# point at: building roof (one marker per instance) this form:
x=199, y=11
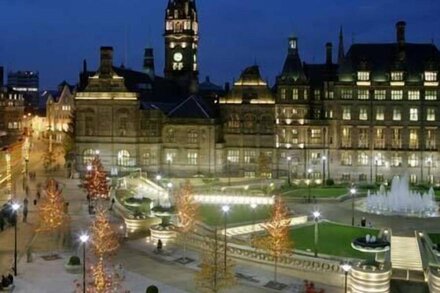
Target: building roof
x=192, y=107
x=380, y=59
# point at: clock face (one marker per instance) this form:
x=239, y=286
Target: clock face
x=178, y=57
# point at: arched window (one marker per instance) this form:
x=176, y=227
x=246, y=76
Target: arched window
x=123, y=158
x=249, y=123
x=88, y=156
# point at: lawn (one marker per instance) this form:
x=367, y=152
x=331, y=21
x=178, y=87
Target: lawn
x=213, y=214
x=333, y=239
x=317, y=191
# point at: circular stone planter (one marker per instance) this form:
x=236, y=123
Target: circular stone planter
x=136, y=202
x=379, y=246
x=73, y=269
x=167, y=233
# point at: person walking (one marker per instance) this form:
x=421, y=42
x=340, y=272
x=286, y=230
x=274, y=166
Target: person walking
x=25, y=209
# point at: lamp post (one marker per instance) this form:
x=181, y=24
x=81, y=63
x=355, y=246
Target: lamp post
x=84, y=238
x=225, y=210
x=309, y=172
x=429, y=161
x=15, y=207
x=353, y=193
x=316, y=215
x=289, y=161
x=169, y=160
x=253, y=206
x=346, y=268
x=324, y=159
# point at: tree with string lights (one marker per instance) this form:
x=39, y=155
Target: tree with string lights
x=51, y=209
x=187, y=212
x=213, y=275
x=96, y=180
x=104, y=239
x=276, y=241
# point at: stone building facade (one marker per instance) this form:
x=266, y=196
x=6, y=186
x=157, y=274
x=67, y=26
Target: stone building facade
x=372, y=114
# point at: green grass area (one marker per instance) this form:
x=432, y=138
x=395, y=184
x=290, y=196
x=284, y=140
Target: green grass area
x=319, y=192
x=435, y=237
x=213, y=214
x=333, y=239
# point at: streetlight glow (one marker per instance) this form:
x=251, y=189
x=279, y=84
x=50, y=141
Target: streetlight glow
x=225, y=208
x=309, y=171
x=15, y=206
x=169, y=185
x=353, y=190
x=316, y=214
x=346, y=267
x=254, y=205
x=84, y=238
x=324, y=158
x=158, y=177
x=89, y=167
x=289, y=158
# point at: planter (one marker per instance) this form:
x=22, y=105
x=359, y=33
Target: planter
x=73, y=269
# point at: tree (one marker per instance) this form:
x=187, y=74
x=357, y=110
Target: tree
x=51, y=208
x=96, y=180
x=276, y=241
x=49, y=159
x=213, y=276
x=69, y=137
x=104, y=239
x=187, y=211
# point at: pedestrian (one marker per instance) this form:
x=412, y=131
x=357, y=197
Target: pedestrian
x=25, y=213
x=25, y=202
x=66, y=207
x=35, y=201
x=111, y=205
x=38, y=194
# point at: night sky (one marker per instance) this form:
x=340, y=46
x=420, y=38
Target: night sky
x=55, y=36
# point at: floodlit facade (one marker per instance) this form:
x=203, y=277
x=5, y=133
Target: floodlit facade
x=370, y=115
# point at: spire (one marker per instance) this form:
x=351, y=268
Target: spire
x=341, y=53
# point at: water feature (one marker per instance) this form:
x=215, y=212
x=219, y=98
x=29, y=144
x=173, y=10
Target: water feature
x=400, y=200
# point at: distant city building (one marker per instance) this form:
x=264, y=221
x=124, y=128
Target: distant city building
x=371, y=115
x=11, y=115
x=27, y=83
x=59, y=111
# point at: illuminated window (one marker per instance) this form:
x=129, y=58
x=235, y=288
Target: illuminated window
x=233, y=156
x=123, y=158
x=363, y=75
x=88, y=156
x=397, y=114
x=294, y=136
x=171, y=135
x=234, y=121
x=413, y=114
x=430, y=76
x=430, y=139
x=380, y=113
x=363, y=95
x=397, y=76
x=346, y=93
x=363, y=113
x=396, y=95
x=295, y=94
x=346, y=113
x=317, y=94
x=430, y=114
x=283, y=94
x=431, y=95
x=331, y=95
x=413, y=160
x=396, y=141
x=413, y=138
x=363, y=137
x=192, y=157
x=346, y=137
x=346, y=159
x=193, y=137
x=413, y=95
x=249, y=157
x=362, y=159
x=380, y=94
x=396, y=160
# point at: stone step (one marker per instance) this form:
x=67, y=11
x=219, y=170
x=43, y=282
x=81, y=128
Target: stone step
x=405, y=253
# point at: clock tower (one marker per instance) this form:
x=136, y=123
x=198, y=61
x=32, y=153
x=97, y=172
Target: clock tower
x=181, y=43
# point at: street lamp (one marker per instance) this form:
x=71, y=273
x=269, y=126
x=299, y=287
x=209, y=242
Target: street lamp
x=225, y=210
x=316, y=215
x=253, y=206
x=324, y=159
x=84, y=238
x=169, y=161
x=346, y=267
x=15, y=207
x=289, y=161
x=353, y=194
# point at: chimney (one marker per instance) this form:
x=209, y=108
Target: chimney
x=400, y=31
x=149, y=62
x=106, y=67
x=329, y=53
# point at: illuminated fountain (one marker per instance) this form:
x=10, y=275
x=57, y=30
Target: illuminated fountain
x=400, y=200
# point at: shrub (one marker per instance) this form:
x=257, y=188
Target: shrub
x=74, y=261
x=330, y=182
x=152, y=289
